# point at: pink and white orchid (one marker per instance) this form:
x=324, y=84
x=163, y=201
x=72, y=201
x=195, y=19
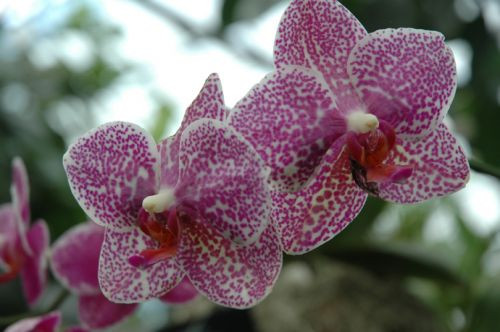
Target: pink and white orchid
x=23, y=248
x=196, y=205
x=75, y=262
x=348, y=113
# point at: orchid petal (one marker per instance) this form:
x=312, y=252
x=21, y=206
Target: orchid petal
x=20, y=201
x=46, y=323
x=224, y=180
x=228, y=274
x=182, y=293
x=209, y=104
x=34, y=270
x=97, y=312
x=75, y=258
x=8, y=226
x=406, y=77
x=330, y=201
x=290, y=120
x=319, y=35
x=123, y=283
x=439, y=164
x=110, y=171
x=20, y=191
x=11, y=253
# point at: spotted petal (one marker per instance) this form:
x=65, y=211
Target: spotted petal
x=110, y=171
x=323, y=208
x=224, y=180
x=319, y=34
x=209, y=104
x=439, y=164
x=34, y=270
x=46, y=323
x=123, y=283
x=75, y=258
x=290, y=120
x=20, y=191
x=97, y=312
x=228, y=274
x=406, y=77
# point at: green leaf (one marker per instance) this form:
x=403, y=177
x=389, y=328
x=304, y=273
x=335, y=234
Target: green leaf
x=484, y=314
x=398, y=261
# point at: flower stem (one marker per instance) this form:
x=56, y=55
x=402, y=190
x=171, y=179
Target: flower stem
x=482, y=167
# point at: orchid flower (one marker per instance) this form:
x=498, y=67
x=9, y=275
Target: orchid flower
x=196, y=205
x=23, y=249
x=348, y=113
x=46, y=323
x=75, y=261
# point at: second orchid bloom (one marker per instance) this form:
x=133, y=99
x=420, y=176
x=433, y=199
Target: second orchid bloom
x=348, y=113
x=196, y=204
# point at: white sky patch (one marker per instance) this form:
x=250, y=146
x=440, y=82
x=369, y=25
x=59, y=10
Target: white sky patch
x=463, y=58
x=75, y=50
x=260, y=33
x=467, y=10
x=479, y=202
x=440, y=226
x=204, y=12
x=178, y=66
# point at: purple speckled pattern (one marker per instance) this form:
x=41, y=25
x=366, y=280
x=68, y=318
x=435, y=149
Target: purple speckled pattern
x=228, y=274
x=207, y=172
x=34, y=270
x=75, y=258
x=75, y=261
x=209, y=104
x=182, y=293
x=110, y=170
x=290, y=119
x=403, y=79
x=324, y=207
x=123, y=283
x=439, y=168
x=413, y=68
x=47, y=323
x=97, y=312
x=224, y=180
x=20, y=191
x=319, y=34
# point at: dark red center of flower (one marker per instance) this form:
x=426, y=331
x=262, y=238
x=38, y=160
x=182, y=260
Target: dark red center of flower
x=13, y=259
x=163, y=229
x=368, y=153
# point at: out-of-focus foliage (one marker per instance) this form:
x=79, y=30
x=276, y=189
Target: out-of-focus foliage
x=46, y=99
x=390, y=257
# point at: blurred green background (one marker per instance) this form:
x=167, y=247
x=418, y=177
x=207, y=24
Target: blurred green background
x=427, y=267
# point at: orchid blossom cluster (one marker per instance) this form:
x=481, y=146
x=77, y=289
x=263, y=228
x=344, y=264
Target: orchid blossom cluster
x=209, y=210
